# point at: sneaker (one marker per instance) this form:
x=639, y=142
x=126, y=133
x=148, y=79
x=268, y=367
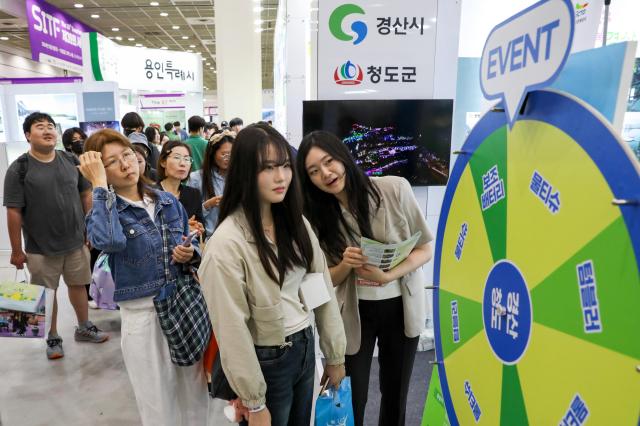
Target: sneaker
x=93, y=304
x=54, y=348
x=90, y=334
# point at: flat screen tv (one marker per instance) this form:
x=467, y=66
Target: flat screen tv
x=409, y=137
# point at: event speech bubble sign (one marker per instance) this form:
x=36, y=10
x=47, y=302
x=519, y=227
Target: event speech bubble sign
x=526, y=52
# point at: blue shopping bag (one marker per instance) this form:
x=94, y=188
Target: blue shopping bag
x=333, y=407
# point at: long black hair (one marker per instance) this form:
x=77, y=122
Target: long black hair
x=209, y=162
x=248, y=155
x=323, y=209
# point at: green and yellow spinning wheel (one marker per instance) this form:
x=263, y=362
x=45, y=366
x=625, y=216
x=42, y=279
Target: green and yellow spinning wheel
x=537, y=268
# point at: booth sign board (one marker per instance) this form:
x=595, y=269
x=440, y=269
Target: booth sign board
x=368, y=49
x=141, y=68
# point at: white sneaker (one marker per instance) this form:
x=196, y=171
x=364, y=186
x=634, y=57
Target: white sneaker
x=93, y=304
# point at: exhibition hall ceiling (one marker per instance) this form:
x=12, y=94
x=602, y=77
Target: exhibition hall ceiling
x=183, y=25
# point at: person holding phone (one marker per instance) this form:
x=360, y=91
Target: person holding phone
x=343, y=205
x=251, y=274
x=126, y=221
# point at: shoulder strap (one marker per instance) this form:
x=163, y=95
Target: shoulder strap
x=23, y=166
x=69, y=157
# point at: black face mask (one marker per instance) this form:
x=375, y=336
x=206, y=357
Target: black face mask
x=77, y=147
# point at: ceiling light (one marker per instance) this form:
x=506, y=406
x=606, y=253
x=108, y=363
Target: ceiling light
x=185, y=37
x=211, y=68
x=78, y=5
x=154, y=3
x=138, y=45
x=192, y=45
x=208, y=64
x=115, y=29
x=110, y=38
x=215, y=71
x=189, y=51
x=258, y=22
x=258, y=30
x=4, y=38
x=204, y=59
x=164, y=14
x=131, y=39
x=95, y=16
x=164, y=48
x=200, y=53
x=119, y=38
x=176, y=27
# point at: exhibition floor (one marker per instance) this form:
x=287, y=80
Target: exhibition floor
x=90, y=383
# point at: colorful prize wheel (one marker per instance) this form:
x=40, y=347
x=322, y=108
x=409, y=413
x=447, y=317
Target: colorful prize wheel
x=538, y=306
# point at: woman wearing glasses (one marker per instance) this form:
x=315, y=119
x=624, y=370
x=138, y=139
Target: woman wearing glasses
x=210, y=180
x=173, y=170
x=126, y=221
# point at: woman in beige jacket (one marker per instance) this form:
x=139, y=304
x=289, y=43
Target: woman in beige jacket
x=252, y=271
x=343, y=205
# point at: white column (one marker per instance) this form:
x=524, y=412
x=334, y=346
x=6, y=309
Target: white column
x=238, y=61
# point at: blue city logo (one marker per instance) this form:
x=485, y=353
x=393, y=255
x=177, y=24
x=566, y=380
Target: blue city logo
x=358, y=27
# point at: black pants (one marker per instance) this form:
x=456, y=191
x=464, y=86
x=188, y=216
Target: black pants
x=382, y=320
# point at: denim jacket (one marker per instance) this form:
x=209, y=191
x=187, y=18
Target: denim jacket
x=134, y=242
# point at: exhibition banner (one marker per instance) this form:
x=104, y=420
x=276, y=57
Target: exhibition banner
x=526, y=52
x=140, y=68
x=55, y=36
x=376, y=50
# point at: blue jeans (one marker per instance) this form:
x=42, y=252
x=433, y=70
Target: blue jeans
x=289, y=373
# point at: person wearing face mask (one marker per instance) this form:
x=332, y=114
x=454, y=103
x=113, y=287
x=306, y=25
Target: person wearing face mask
x=73, y=140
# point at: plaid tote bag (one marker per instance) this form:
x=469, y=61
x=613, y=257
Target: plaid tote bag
x=182, y=312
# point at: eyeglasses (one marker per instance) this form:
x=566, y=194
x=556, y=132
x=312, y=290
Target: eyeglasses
x=181, y=158
x=127, y=156
x=225, y=156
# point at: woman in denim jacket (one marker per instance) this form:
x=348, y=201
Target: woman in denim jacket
x=125, y=221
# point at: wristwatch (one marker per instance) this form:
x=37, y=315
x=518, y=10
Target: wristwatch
x=257, y=409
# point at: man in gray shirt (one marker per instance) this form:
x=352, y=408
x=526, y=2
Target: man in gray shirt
x=46, y=197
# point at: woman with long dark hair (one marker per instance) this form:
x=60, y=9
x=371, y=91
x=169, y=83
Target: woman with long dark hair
x=210, y=179
x=252, y=272
x=343, y=205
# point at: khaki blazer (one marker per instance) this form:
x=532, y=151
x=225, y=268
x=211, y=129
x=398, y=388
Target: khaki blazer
x=246, y=307
x=397, y=219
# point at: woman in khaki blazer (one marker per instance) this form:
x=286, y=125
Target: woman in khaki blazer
x=343, y=205
x=251, y=273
